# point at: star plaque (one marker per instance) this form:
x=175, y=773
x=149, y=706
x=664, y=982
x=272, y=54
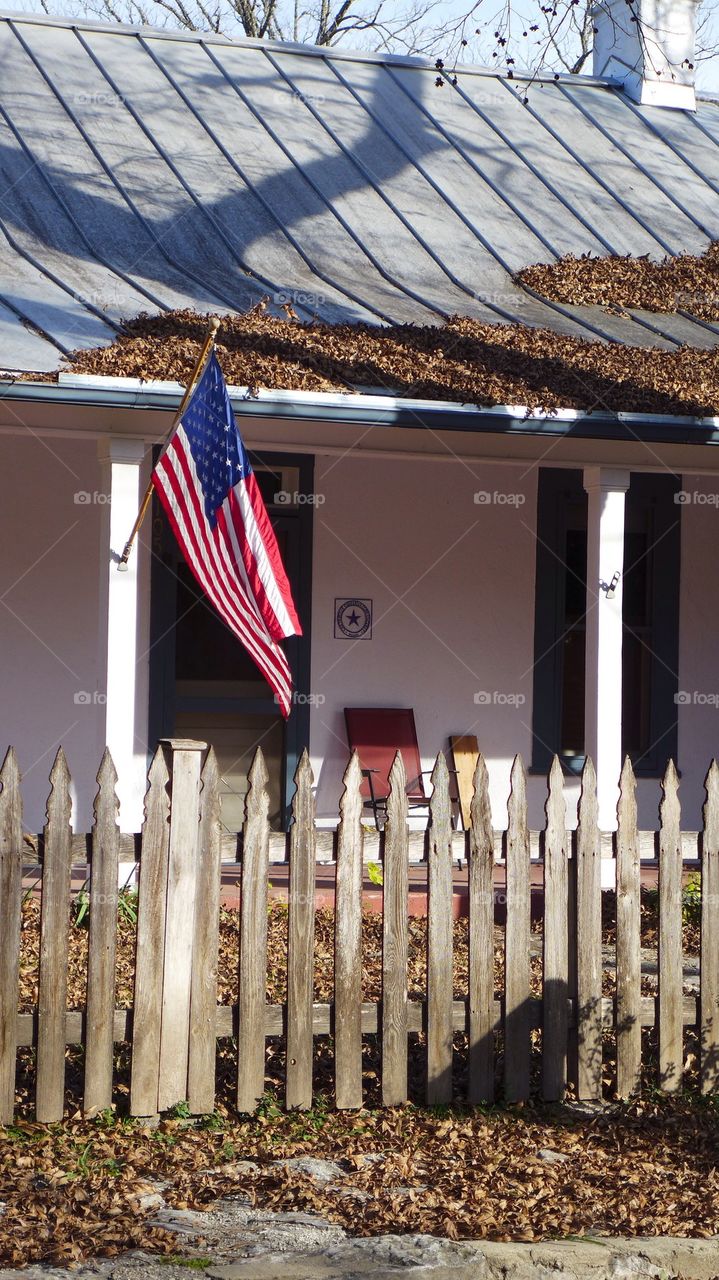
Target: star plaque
x=353, y=619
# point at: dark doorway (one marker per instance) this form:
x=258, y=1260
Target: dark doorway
x=203, y=684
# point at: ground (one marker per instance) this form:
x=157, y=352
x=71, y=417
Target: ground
x=93, y=1187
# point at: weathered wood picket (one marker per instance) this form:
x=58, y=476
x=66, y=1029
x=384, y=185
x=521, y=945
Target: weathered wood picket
x=175, y=1021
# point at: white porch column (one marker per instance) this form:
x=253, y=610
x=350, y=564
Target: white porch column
x=119, y=605
x=606, y=489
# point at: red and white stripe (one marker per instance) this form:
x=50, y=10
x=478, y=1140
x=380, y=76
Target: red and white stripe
x=257, y=556
x=212, y=557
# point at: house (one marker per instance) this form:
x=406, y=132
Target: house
x=545, y=579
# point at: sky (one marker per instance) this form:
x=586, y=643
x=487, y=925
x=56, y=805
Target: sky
x=482, y=20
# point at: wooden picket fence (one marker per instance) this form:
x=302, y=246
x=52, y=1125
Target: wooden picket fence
x=175, y=1021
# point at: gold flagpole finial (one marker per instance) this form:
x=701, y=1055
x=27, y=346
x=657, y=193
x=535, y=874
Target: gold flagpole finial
x=202, y=359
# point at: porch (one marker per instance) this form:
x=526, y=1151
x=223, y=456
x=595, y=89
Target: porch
x=474, y=539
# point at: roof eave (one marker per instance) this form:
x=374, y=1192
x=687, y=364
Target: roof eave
x=372, y=410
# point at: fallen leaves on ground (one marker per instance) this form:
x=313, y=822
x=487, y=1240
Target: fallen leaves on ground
x=685, y=282
x=74, y=1190
x=276, y=992
x=462, y=361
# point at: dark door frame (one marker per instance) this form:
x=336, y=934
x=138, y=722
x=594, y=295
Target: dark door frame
x=163, y=702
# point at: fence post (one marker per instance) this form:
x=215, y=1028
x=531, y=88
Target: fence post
x=182, y=871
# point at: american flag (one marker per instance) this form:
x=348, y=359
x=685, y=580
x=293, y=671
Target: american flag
x=210, y=494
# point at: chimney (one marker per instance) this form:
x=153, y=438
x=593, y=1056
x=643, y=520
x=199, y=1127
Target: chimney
x=648, y=45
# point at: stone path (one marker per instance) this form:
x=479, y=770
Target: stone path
x=235, y=1241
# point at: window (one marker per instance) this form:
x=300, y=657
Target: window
x=650, y=613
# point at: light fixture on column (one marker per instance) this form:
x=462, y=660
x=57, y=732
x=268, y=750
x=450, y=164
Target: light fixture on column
x=609, y=588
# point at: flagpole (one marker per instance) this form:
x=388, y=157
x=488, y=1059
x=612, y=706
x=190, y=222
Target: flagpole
x=207, y=346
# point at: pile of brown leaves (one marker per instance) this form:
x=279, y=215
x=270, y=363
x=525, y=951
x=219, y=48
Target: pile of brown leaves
x=646, y=1169
x=687, y=282
x=276, y=961
x=227, y=977
x=462, y=361
x=74, y=1190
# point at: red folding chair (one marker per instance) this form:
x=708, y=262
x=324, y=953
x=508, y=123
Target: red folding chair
x=377, y=734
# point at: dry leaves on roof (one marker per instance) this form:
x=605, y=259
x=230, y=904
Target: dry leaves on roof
x=685, y=282
x=460, y=361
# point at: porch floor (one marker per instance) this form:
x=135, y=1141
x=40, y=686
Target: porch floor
x=371, y=893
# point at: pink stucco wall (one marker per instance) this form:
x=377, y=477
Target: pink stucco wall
x=49, y=612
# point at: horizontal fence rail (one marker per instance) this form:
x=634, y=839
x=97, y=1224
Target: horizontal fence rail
x=175, y=1020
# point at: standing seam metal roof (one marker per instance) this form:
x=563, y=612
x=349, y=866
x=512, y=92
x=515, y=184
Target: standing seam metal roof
x=149, y=170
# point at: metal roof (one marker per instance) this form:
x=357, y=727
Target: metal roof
x=145, y=170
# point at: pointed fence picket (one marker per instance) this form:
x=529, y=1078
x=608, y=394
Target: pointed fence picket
x=54, y=923
x=102, y=941
x=10, y=906
x=629, y=960
x=709, y=962
x=395, y=940
x=517, y=1019
x=481, y=941
x=671, y=1022
x=205, y=945
x=176, y=1021
x=587, y=877
x=555, y=1007
x=147, y=1009
x=300, y=943
x=253, y=940
x=348, y=943
x=440, y=926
